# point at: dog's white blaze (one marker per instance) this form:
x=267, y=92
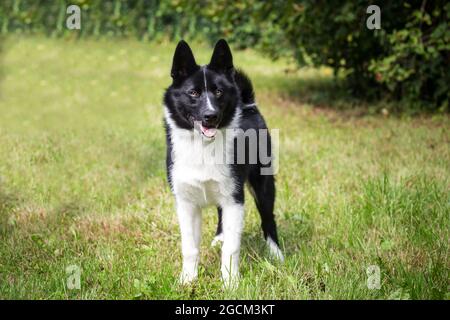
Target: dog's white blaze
x=274, y=250
x=208, y=102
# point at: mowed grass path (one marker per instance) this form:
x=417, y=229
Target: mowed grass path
x=82, y=182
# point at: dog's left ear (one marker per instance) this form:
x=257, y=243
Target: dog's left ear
x=221, y=59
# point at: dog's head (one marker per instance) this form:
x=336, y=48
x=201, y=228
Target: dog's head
x=202, y=97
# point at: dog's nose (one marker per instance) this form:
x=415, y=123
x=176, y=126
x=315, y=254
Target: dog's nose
x=210, y=117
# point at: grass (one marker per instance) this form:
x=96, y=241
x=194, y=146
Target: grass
x=82, y=182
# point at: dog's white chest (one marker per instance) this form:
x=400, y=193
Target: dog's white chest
x=198, y=175
x=202, y=192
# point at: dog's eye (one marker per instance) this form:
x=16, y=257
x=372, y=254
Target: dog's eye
x=194, y=93
x=218, y=92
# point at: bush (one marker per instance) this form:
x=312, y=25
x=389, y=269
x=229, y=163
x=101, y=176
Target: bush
x=144, y=19
x=408, y=58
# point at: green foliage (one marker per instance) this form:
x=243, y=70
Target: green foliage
x=416, y=65
x=145, y=19
x=407, y=58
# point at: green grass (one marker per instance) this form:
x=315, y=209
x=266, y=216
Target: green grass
x=82, y=182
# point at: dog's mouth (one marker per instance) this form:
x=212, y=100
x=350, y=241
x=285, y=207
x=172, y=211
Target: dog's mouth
x=207, y=130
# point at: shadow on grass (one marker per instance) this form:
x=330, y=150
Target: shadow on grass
x=326, y=93
x=322, y=92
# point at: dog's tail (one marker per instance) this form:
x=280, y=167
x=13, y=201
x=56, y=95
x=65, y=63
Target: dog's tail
x=245, y=86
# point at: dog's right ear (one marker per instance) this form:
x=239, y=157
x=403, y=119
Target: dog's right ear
x=183, y=64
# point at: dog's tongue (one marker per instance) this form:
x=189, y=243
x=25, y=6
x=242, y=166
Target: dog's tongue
x=209, y=132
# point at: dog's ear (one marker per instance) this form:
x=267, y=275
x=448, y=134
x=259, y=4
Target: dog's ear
x=183, y=64
x=221, y=59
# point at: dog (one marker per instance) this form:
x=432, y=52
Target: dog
x=203, y=104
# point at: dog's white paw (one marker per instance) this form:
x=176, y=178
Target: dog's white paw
x=187, y=277
x=217, y=240
x=274, y=250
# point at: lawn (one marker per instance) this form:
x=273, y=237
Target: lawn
x=82, y=183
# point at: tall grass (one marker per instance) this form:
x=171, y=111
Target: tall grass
x=82, y=182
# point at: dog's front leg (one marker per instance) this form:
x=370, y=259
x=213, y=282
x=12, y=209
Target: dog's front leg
x=233, y=223
x=189, y=217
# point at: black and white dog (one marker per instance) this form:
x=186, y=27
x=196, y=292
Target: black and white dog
x=210, y=120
